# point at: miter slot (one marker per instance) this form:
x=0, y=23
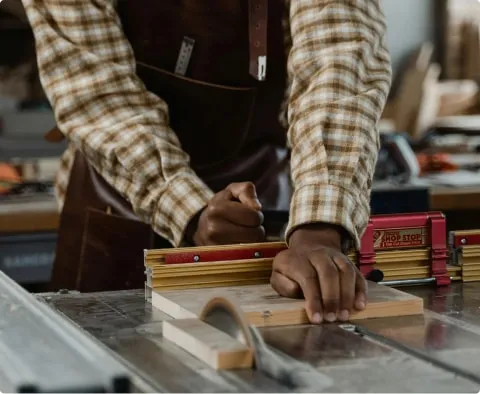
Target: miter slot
x=298, y=376
x=419, y=354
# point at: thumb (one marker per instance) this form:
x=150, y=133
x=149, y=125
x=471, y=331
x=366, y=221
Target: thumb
x=245, y=192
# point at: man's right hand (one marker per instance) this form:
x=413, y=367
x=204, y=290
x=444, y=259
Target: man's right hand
x=232, y=216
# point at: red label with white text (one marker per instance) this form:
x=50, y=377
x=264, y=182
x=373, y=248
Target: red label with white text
x=400, y=238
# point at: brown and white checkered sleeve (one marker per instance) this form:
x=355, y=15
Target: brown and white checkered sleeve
x=87, y=69
x=340, y=71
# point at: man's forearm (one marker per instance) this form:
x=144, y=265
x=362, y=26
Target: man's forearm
x=87, y=69
x=341, y=78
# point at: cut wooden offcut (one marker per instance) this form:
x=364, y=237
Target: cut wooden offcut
x=208, y=344
x=264, y=307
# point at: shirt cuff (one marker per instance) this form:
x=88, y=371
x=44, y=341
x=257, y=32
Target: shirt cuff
x=184, y=197
x=326, y=203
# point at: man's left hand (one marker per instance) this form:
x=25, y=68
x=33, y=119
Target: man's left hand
x=314, y=267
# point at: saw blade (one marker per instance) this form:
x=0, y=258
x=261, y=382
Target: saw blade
x=223, y=314
x=226, y=315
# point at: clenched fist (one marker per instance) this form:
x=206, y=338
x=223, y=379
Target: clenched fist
x=232, y=216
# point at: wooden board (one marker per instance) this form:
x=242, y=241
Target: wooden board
x=212, y=346
x=264, y=307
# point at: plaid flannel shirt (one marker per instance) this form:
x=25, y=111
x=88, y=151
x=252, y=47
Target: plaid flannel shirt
x=339, y=75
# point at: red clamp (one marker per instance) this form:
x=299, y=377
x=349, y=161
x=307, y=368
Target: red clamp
x=406, y=231
x=462, y=238
x=439, y=251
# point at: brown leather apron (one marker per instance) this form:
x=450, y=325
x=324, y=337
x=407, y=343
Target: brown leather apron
x=225, y=115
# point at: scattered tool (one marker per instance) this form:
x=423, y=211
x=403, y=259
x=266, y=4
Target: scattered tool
x=396, y=159
x=9, y=177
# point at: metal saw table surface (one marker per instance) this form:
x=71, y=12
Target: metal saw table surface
x=437, y=352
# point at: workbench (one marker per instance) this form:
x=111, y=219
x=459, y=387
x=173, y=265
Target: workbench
x=29, y=215
x=461, y=205
x=437, y=352
x=455, y=198
x=28, y=235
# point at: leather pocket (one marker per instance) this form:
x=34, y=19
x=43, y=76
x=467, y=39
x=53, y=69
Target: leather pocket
x=211, y=120
x=112, y=252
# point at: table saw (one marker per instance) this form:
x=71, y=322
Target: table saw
x=121, y=341
x=112, y=341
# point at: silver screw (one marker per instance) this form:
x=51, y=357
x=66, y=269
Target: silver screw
x=463, y=241
x=196, y=258
x=257, y=254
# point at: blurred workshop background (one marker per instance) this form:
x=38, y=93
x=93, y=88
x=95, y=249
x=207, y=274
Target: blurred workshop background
x=429, y=160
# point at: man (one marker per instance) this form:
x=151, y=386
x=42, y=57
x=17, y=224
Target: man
x=181, y=134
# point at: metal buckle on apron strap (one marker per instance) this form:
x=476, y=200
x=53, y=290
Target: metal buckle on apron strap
x=257, y=20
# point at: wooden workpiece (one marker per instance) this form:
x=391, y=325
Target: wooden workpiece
x=264, y=307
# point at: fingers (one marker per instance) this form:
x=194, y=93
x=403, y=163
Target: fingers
x=245, y=192
x=361, y=289
x=348, y=278
x=329, y=278
x=311, y=291
x=221, y=232
x=232, y=216
x=331, y=285
x=233, y=212
x=303, y=273
x=285, y=286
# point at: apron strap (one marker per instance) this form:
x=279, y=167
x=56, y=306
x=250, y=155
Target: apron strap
x=257, y=29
